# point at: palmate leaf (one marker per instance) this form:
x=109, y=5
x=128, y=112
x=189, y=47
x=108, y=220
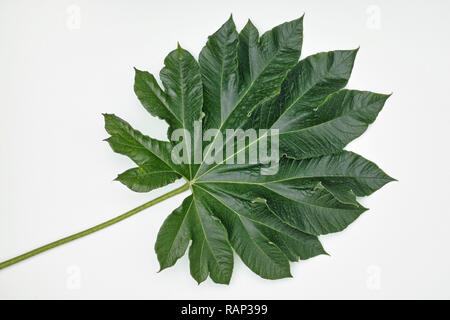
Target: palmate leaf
x=244, y=80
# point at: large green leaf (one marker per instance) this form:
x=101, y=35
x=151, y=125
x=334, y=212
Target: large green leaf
x=247, y=81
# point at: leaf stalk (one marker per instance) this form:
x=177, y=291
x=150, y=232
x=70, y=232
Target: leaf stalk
x=96, y=228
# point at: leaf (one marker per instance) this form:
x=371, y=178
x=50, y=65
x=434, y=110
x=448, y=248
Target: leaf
x=344, y=116
x=219, y=69
x=347, y=169
x=144, y=151
x=210, y=252
x=263, y=64
x=247, y=81
x=154, y=99
x=147, y=177
x=182, y=82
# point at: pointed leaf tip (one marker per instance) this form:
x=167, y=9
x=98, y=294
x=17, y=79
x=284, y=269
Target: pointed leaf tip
x=250, y=24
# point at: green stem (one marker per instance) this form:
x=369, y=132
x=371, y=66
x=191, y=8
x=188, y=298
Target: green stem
x=101, y=226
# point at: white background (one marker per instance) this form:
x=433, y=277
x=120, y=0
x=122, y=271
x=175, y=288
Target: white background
x=60, y=71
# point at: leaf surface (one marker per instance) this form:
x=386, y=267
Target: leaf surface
x=246, y=81
x=210, y=252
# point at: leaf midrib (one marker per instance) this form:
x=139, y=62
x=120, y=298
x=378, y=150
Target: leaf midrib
x=179, y=229
x=183, y=106
x=206, y=238
x=289, y=179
